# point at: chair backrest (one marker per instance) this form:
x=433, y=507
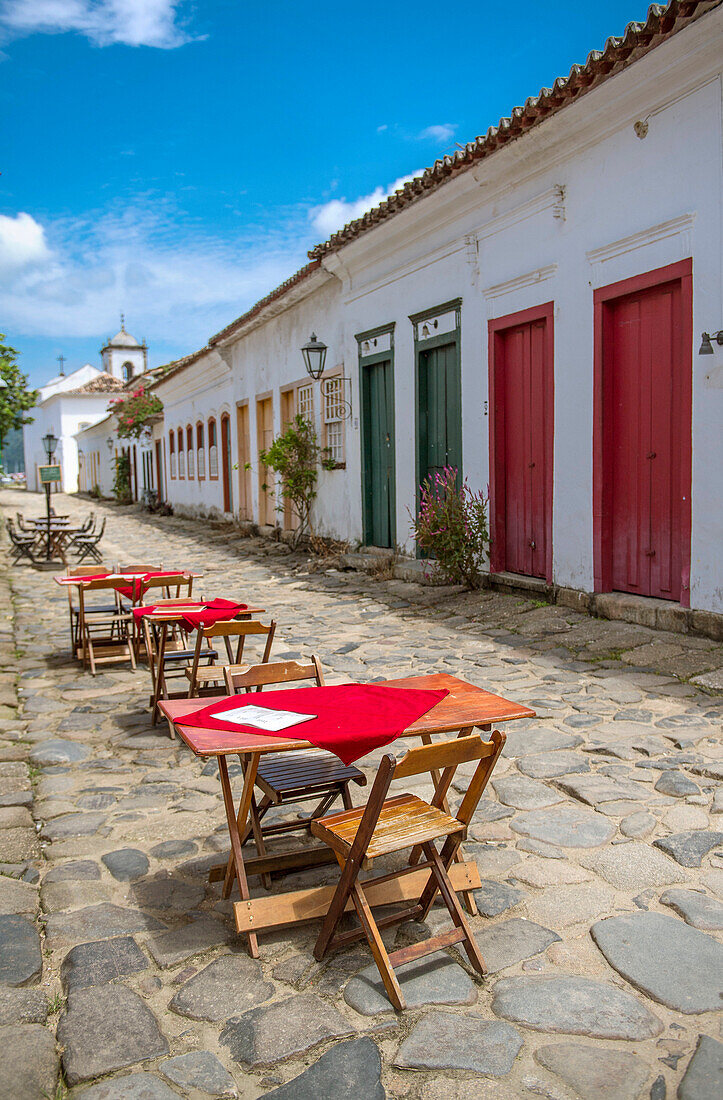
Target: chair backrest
x=87, y=571
x=97, y=535
x=173, y=580
x=228, y=629
x=446, y=755
x=246, y=677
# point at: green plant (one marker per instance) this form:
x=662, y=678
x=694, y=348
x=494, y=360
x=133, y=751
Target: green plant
x=15, y=397
x=122, y=479
x=451, y=527
x=95, y=492
x=296, y=455
x=133, y=411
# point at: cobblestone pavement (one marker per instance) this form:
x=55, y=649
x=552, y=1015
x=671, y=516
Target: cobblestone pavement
x=598, y=845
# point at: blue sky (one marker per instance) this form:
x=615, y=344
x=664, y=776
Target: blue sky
x=175, y=160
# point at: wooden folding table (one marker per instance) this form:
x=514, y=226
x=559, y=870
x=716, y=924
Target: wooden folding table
x=465, y=708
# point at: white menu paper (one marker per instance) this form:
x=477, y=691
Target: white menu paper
x=264, y=718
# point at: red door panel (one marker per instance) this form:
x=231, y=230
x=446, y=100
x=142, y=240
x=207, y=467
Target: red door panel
x=521, y=442
x=643, y=362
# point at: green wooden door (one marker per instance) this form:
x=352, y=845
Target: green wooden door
x=439, y=411
x=378, y=427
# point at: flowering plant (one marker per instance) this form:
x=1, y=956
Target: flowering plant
x=451, y=527
x=133, y=410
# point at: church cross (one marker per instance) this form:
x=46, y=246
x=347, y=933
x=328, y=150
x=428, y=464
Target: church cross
x=62, y=360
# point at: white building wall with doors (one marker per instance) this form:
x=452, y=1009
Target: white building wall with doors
x=620, y=190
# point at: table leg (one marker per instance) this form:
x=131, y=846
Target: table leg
x=159, y=686
x=237, y=826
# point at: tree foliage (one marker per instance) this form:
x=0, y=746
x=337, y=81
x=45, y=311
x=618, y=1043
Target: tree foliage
x=296, y=455
x=15, y=397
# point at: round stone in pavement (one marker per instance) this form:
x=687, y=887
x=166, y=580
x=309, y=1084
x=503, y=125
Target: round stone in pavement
x=524, y=793
x=593, y=1073
x=164, y=891
x=101, y=961
x=633, y=866
x=275, y=1032
x=677, y=784
x=349, y=1071
x=170, y=848
x=695, y=908
x=668, y=960
x=546, y=765
x=525, y=742
x=577, y=1006
x=79, y=870
x=226, y=987
x=70, y=825
x=494, y=897
x=28, y=1062
x=442, y=1040
x=97, y=921
x=105, y=1028
x=511, y=941
x=20, y=961
x=23, y=1006
x=703, y=1079
x=569, y=826
x=126, y=864
x=134, y=1086
x=200, y=1070
x=57, y=750
x=435, y=980
x=690, y=847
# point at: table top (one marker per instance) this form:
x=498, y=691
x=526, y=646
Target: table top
x=89, y=578
x=466, y=705
x=174, y=614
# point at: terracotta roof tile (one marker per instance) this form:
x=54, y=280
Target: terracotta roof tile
x=103, y=383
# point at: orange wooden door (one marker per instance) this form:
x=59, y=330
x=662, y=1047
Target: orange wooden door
x=244, y=462
x=265, y=437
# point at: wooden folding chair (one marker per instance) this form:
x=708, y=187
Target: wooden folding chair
x=90, y=609
x=105, y=638
x=387, y=825
x=207, y=677
x=302, y=776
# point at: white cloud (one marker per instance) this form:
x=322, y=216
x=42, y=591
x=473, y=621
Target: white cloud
x=22, y=243
x=441, y=133
x=330, y=216
x=104, y=22
x=71, y=277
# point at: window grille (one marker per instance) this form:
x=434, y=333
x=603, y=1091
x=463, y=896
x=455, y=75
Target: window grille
x=305, y=402
x=333, y=394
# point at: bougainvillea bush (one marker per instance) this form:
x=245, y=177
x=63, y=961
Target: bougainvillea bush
x=451, y=528
x=133, y=410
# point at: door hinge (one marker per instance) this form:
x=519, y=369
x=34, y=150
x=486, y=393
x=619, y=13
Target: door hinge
x=650, y=553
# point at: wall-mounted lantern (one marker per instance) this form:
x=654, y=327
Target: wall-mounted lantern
x=109, y=442
x=314, y=353
x=706, y=347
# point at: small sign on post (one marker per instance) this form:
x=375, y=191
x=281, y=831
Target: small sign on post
x=49, y=474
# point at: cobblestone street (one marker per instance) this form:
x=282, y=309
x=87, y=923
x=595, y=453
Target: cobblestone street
x=598, y=844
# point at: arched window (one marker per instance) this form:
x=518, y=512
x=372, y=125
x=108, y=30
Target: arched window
x=212, y=450
x=127, y=371
x=172, y=451
x=200, y=453
x=190, y=452
x=181, y=455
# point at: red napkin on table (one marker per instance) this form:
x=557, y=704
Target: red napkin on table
x=351, y=719
x=139, y=586
x=214, y=611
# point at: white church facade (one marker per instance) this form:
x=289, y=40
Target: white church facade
x=69, y=403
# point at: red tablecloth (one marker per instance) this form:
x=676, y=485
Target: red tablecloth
x=214, y=611
x=351, y=719
x=133, y=589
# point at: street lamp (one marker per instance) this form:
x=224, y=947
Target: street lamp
x=50, y=443
x=314, y=353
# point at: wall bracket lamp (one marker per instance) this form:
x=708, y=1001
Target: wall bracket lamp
x=706, y=347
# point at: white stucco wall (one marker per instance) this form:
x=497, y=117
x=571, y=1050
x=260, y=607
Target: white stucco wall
x=63, y=414
x=578, y=203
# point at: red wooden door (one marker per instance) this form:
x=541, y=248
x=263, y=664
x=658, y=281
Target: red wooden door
x=645, y=379
x=522, y=443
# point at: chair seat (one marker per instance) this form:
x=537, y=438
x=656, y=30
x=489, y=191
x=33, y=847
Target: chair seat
x=404, y=822
x=187, y=655
x=287, y=774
